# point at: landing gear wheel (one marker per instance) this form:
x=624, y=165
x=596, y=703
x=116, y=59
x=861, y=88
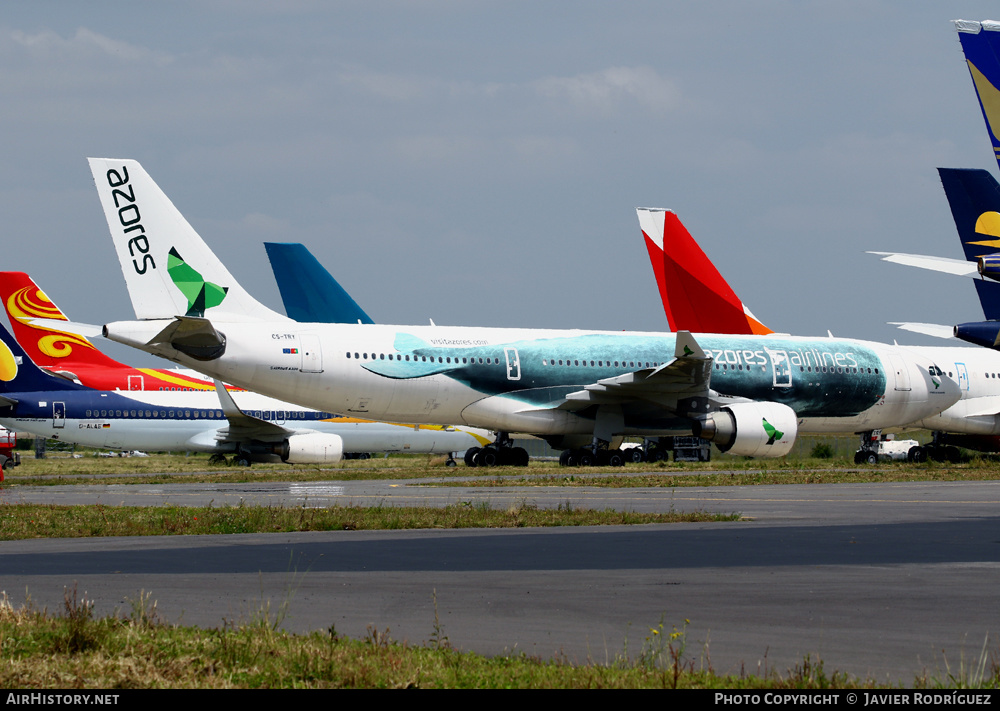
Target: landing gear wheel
x=486, y=457
x=218, y=459
x=916, y=455
x=587, y=459
x=242, y=462
x=566, y=458
x=634, y=455
x=451, y=462
x=519, y=457
x=616, y=460
x=470, y=456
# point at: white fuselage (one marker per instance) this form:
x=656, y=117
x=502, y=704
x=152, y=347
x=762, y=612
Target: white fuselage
x=360, y=370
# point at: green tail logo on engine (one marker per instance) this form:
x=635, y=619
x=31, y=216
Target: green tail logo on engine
x=687, y=351
x=200, y=294
x=773, y=433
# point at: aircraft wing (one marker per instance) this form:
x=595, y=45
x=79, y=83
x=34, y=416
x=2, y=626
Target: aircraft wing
x=686, y=376
x=928, y=329
x=959, y=267
x=243, y=426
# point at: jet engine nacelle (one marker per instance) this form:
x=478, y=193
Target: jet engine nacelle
x=982, y=333
x=989, y=266
x=312, y=448
x=753, y=429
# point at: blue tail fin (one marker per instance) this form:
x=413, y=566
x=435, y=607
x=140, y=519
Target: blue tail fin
x=308, y=291
x=19, y=374
x=974, y=198
x=981, y=44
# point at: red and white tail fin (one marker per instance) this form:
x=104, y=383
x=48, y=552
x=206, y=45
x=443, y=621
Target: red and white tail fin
x=50, y=348
x=695, y=296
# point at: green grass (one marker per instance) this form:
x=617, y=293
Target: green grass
x=731, y=471
x=138, y=649
x=24, y=521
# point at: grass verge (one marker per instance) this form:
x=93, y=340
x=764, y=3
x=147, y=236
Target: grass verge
x=24, y=521
x=140, y=650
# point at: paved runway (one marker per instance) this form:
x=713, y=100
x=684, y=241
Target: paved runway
x=889, y=579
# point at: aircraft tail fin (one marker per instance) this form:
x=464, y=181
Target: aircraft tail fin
x=168, y=268
x=46, y=345
x=981, y=45
x=308, y=291
x=19, y=374
x=695, y=295
x=974, y=198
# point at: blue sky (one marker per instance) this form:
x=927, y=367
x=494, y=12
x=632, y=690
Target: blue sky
x=479, y=163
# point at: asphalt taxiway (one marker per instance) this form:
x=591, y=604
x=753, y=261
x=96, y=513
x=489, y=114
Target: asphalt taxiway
x=892, y=580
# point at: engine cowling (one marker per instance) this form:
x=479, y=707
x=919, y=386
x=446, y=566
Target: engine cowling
x=751, y=429
x=989, y=266
x=312, y=448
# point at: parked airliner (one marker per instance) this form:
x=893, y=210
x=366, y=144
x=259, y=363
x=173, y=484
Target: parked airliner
x=578, y=389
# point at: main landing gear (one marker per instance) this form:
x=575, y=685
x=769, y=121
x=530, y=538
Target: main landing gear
x=502, y=453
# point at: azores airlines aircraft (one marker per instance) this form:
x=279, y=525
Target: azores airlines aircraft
x=165, y=421
x=972, y=422
x=577, y=389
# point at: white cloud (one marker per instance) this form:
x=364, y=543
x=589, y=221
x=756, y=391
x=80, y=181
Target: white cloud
x=49, y=45
x=606, y=89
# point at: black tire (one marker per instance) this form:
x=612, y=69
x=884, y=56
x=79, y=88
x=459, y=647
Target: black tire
x=872, y=458
x=916, y=455
x=451, y=463
x=859, y=457
x=520, y=457
x=470, y=456
x=486, y=457
x=617, y=459
x=634, y=455
x=587, y=458
x=565, y=458
x=242, y=462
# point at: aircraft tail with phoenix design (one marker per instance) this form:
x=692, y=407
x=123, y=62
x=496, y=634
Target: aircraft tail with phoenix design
x=695, y=296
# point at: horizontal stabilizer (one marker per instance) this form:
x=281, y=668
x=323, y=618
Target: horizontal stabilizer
x=87, y=330
x=958, y=267
x=928, y=329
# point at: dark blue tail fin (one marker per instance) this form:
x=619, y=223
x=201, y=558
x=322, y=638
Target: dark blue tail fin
x=974, y=198
x=19, y=374
x=308, y=291
x=981, y=44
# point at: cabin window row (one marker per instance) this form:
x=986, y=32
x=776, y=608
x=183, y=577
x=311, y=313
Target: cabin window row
x=423, y=359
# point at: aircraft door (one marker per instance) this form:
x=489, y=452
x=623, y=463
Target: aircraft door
x=311, y=353
x=781, y=369
x=58, y=414
x=901, y=371
x=963, y=376
x=513, y=364
x=135, y=382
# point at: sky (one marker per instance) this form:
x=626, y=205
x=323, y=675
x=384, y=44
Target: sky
x=478, y=163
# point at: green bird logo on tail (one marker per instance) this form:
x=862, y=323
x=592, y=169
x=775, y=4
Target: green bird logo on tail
x=200, y=294
x=773, y=434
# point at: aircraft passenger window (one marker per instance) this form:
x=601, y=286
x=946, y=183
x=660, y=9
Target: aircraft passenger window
x=170, y=413
x=365, y=356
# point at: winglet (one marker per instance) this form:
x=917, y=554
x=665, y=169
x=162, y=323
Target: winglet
x=687, y=347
